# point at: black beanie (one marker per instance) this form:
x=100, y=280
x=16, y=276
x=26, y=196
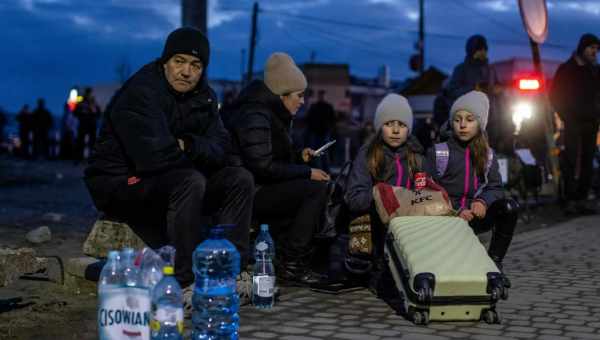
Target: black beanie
x=475, y=43
x=585, y=41
x=187, y=40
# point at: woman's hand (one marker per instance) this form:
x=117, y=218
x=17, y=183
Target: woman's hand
x=307, y=155
x=479, y=209
x=466, y=215
x=319, y=175
x=181, y=144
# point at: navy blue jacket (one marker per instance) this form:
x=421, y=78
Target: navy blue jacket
x=359, y=193
x=487, y=189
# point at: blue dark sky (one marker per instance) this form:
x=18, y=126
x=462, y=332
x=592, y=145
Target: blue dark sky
x=50, y=45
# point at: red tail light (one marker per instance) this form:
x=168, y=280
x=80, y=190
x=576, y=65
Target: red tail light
x=529, y=84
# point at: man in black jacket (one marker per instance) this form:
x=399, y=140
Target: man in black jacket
x=159, y=162
x=575, y=95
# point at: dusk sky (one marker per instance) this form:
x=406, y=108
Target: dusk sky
x=50, y=45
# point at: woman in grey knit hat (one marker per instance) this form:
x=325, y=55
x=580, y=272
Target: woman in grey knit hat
x=291, y=195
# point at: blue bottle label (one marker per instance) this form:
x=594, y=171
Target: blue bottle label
x=124, y=313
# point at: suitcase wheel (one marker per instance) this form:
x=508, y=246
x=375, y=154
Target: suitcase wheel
x=504, y=295
x=490, y=316
x=420, y=317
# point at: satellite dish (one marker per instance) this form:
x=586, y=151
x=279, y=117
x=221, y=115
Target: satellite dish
x=535, y=19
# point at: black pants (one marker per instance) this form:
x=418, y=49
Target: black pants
x=298, y=203
x=580, y=146
x=168, y=209
x=85, y=129
x=501, y=218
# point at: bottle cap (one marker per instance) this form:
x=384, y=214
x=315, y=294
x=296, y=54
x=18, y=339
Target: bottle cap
x=168, y=270
x=264, y=227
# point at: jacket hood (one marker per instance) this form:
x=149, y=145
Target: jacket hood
x=258, y=94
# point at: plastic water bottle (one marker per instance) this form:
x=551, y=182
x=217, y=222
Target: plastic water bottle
x=131, y=273
x=167, y=308
x=124, y=305
x=263, y=276
x=151, y=268
x=215, y=300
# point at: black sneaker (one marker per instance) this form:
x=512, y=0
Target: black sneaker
x=505, y=281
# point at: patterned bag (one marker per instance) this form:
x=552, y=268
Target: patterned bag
x=360, y=242
x=392, y=201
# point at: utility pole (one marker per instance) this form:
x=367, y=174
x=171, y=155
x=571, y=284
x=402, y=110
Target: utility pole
x=548, y=116
x=250, y=73
x=194, y=14
x=242, y=65
x=421, y=36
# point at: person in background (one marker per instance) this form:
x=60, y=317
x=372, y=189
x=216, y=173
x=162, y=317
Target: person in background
x=25, y=120
x=320, y=122
x=42, y=123
x=87, y=112
x=475, y=73
x=575, y=95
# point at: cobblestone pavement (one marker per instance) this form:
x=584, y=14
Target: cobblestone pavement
x=556, y=295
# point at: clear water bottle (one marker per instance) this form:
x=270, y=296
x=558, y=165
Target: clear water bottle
x=151, y=268
x=123, y=304
x=215, y=300
x=167, y=308
x=263, y=276
x=131, y=273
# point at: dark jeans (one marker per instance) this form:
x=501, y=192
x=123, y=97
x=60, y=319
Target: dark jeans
x=85, y=129
x=168, y=209
x=300, y=200
x=580, y=146
x=501, y=218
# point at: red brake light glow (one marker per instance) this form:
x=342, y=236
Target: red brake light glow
x=529, y=84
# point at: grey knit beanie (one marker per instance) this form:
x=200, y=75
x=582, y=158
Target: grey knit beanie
x=475, y=102
x=282, y=76
x=393, y=107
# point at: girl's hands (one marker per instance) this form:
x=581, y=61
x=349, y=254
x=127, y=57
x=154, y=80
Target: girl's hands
x=479, y=209
x=466, y=215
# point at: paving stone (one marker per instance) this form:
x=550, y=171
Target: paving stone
x=358, y=336
x=385, y=332
x=325, y=327
x=544, y=325
x=320, y=334
x=580, y=329
x=582, y=336
x=265, y=335
x=553, y=337
x=490, y=337
x=551, y=331
x=453, y=334
x=292, y=330
x=520, y=329
x=411, y=336
x=570, y=322
x=300, y=337
x=521, y=335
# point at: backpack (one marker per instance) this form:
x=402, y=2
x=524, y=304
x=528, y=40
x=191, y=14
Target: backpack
x=442, y=155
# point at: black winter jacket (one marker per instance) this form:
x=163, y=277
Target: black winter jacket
x=359, y=193
x=575, y=92
x=261, y=125
x=453, y=180
x=467, y=75
x=142, y=124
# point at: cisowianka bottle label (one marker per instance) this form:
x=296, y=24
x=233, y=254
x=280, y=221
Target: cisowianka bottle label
x=264, y=285
x=124, y=313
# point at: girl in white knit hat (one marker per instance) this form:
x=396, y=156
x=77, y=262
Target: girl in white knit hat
x=467, y=168
x=393, y=156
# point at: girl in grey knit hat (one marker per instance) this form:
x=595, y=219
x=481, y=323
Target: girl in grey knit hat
x=467, y=168
x=393, y=156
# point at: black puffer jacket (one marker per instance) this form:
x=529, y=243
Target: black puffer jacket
x=260, y=125
x=142, y=124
